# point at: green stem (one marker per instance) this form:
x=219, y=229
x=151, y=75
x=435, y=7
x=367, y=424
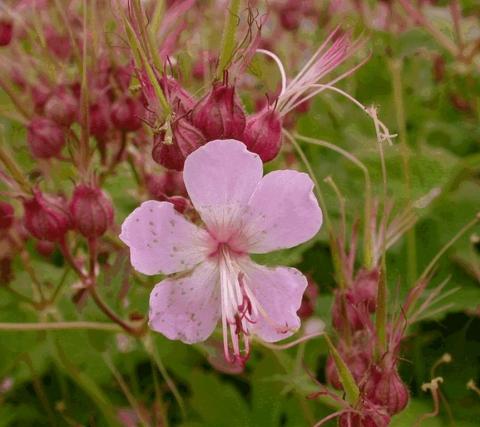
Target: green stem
x=395, y=66
x=11, y=165
x=228, y=37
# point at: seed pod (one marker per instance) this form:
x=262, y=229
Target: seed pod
x=126, y=114
x=62, y=107
x=46, y=217
x=186, y=136
x=263, y=134
x=45, y=138
x=167, y=155
x=6, y=215
x=220, y=115
x=99, y=118
x=91, y=210
x=6, y=31
x=385, y=387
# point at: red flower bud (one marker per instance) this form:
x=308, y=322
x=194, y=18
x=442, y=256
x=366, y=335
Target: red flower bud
x=180, y=100
x=263, y=134
x=180, y=203
x=167, y=155
x=290, y=17
x=99, y=118
x=169, y=183
x=91, y=210
x=6, y=31
x=386, y=388
x=219, y=115
x=345, y=315
x=60, y=45
x=45, y=138
x=357, y=362
x=45, y=248
x=369, y=416
x=6, y=215
x=40, y=94
x=127, y=114
x=186, y=136
x=62, y=107
x=46, y=217
x=364, y=289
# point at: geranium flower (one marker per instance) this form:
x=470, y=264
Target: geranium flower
x=215, y=278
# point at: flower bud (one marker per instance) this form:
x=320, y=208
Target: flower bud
x=180, y=100
x=219, y=115
x=46, y=217
x=45, y=248
x=290, y=17
x=91, y=210
x=6, y=31
x=62, y=107
x=186, y=136
x=45, y=138
x=99, y=118
x=345, y=315
x=169, y=183
x=126, y=114
x=6, y=215
x=364, y=289
x=309, y=300
x=371, y=416
x=167, y=155
x=60, y=45
x=357, y=362
x=263, y=134
x=386, y=388
x=40, y=94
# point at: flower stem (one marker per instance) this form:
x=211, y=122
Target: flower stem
x=59, y=326
x=11, y=165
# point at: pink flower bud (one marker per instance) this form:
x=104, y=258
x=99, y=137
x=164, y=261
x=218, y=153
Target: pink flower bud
x=169, y=183
x=364, y=289
x=220, y=115
x=91, y=210
x=385, y=387
x=126, y=114
x=6, y=215
x=180, y=203
x=290, y=17
x=167, y=155
x=370, y=416
x=356, y=360
x=345, y=315
x=99, y=119
x=263, y=134
x=40, y=94
x=6, y=31
x=60, y=45
x=180, y=100
x=62, y=107
x=45, y=248
x=45, y=138
x=46, y=217
x=186, y=136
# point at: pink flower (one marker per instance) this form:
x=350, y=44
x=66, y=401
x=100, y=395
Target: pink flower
x=215, y=279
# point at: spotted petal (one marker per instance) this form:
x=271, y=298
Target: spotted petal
x=187, y=308
x=220, y=177
x=161, y=240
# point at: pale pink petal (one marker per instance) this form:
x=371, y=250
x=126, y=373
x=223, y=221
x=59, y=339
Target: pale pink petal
x=161, y=240
x=277, y=296
x=282, y=212
x=187, y=308
x=220, y=177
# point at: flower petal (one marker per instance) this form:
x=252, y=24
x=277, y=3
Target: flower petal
x=161, y=240
x=187, y=308
x=220, y=178
x=278, y=292
x=282, y=212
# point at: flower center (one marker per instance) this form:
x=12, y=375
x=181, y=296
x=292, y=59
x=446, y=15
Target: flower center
x=238, y=306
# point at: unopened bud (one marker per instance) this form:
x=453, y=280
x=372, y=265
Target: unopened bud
x=127, y=114
x=167, y=155
x=386, y=388
x=6, y=215
x=62, y=107
x=45, y=138
x=180, y=100
x=59, y=44
x=46, y=217
x=263, y=134
x=186, y=136
x=6, y=31
x=220, y=115
x=45, y=248
x=91, y=210
x=99, y=118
